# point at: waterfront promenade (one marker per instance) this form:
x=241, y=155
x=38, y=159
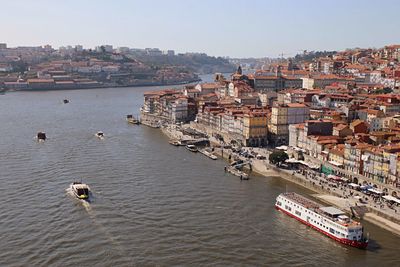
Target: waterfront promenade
x=339, y=195
x=379, y=213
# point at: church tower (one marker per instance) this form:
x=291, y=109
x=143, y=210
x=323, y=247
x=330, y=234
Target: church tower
x=239, y=70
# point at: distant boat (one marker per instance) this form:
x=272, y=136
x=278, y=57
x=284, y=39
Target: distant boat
x=100, y=135
x=175, y=142
x=192, y=148
x=80, y=190
x=208, y=154
x=66, y=101
x=41, y=136
x=131, y=119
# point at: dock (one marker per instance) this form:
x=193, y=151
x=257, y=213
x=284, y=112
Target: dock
x=208, y=154
x=236, y=172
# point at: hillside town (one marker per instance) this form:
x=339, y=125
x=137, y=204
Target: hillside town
x=46, y=68
x=339, y=112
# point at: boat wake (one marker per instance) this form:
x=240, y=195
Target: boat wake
x=88, y=208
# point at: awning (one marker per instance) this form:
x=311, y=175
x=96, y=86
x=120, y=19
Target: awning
x=365, y=187
x=390, y=198
x=335, y=163
x=332, y=211
x=292, y=160
x=354, y=185
x=373, y=190
x=331, y=176
x=310, y=165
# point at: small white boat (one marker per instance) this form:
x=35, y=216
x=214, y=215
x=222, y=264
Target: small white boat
x=174, y=142
x=41, y=136
x=192, y=148
x=80, y=190
x=131, y=119
x=208, y=154
x=212, y=156
x=100, y=135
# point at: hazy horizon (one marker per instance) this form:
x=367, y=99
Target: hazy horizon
x=236, y=29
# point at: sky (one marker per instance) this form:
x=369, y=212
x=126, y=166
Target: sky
x=234, y=28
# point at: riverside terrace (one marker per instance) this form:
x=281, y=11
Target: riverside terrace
x=378, y=210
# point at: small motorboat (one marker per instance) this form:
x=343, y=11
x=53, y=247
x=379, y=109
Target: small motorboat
x=41, y=136
x=175, y=142
x=66, y=101
x=208, y=154
x=80, y=190
x=131, y=119
x=192, y=148
x=212, y=156
x=100, y=135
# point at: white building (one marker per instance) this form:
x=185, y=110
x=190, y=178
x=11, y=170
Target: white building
x=180, y=109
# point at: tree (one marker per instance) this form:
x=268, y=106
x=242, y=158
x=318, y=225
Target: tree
x=278, y=157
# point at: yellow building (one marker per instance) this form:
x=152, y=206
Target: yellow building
x=255, y=129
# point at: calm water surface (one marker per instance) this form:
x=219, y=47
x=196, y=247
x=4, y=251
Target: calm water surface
x=153, y=204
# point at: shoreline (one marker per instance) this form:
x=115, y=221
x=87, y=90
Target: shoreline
x=331, y=198
x=265, y=169
x=98, y=87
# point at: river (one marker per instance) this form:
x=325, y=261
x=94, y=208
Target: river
x=153, y=204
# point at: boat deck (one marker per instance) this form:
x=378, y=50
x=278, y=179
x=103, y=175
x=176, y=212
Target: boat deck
x=309, y=204
x=317, y=208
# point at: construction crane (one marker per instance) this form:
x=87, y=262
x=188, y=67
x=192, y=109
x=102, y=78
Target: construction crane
x=281, y=56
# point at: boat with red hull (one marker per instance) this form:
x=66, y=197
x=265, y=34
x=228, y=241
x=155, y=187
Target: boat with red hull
x=330, y=221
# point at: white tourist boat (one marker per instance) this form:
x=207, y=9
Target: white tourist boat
x=80, y=190
x=100, y=135
x=328, y=220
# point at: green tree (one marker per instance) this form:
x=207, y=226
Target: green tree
x=278, y=157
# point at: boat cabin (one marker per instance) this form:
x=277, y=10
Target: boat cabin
x=41, y=136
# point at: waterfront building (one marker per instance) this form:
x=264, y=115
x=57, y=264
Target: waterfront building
x=41, y=84
x=299, y=133
x=167, y=105
x=255, y=130
x=283, y=115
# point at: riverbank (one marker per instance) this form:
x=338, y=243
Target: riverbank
x=331, y=196
x=344, y=204
x=100, y=86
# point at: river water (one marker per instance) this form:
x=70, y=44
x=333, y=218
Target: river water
x=153, y=204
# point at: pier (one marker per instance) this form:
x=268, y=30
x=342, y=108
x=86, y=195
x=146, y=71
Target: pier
x=236, y=172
